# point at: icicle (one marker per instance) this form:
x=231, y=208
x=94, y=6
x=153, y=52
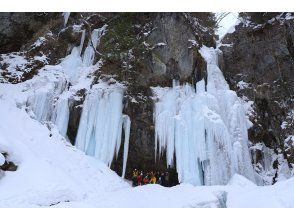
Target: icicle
x=65, y=16
x=99, y=132
x=61, y=116
x=127, y=128
x=94, y=41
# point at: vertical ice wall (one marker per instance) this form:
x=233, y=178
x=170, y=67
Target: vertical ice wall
x=204, y=127
x=102, y=122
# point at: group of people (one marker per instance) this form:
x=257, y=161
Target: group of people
x=140, y=178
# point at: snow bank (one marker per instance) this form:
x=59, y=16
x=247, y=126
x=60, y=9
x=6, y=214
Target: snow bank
x=247, y=195
x=241, y=192
x=50, y=170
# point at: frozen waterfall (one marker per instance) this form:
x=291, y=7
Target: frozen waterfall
x=102, y=122
x=57, y=84
x=204, y=127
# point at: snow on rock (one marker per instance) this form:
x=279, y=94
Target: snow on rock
x=102, y=121
x=16, y=63
x=2, y=159
x=243, y=85
x=205, y=127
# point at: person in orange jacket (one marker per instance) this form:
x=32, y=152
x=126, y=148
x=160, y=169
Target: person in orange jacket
x=146, y=180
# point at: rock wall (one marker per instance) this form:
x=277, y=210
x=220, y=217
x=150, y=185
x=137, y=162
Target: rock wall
x=138, y=49
x=258, y=63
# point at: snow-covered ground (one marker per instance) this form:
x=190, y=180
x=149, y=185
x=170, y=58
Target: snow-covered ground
x=52, y=172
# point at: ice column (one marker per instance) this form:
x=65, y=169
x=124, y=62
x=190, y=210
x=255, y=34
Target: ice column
x=206, y=130
x=101, y=123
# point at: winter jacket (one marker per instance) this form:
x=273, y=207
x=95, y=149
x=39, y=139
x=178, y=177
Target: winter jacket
x=153, y=180
x=135, y=173
x=146, y=180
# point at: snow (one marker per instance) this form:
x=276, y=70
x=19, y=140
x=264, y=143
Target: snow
x=194, y=43
x=101, y=123
x=279, y=195
x=52, y=172
x=242, y=85
x=227, y=24
x=15, y=64
x=284, y=125
x=289, y=16
x=41, y=58
x=239, y=193
x=38, y=42
x=204, y=128
x=2, y=159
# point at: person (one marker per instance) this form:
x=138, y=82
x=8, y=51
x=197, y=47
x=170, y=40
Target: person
x=167, y=179
x=140, y=179
x=157, y=175
x=134, y=178
x=146, y=180
x=153, y=179
x=162, y=177
x=159, y=180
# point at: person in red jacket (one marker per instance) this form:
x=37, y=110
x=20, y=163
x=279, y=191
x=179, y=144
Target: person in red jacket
x=140, y=179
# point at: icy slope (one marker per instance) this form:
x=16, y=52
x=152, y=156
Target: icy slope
x=49, y=170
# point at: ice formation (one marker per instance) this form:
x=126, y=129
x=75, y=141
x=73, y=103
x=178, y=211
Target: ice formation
x=65, y=16
x=204, y=127
x=50, y=101
x=102, y=122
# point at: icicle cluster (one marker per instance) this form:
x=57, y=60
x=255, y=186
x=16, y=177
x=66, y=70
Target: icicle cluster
x=50, y=101
x=102, y=122
x=204, y=127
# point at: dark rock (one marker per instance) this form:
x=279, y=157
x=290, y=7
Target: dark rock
x=8, y=165
x=263, y=58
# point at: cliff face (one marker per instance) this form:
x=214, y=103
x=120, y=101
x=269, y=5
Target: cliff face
x=258, y=63
x=163, y=47
x=144, y=50
x=140, y=50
